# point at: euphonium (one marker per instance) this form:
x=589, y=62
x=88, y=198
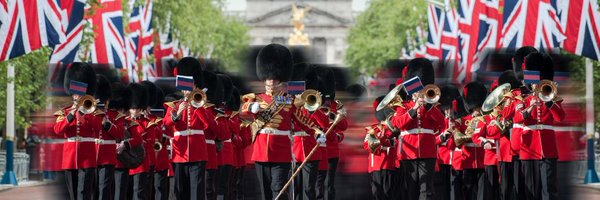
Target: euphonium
x=157, y=146
x=197, y=98
x=431, y=93
x=312, y=99
x=546, y=90
x=86, y=104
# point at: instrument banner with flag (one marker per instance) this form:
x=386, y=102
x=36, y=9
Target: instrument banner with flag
x=296, y=87
x=79, y=88
x=531, y=77
x=413, y=85
x=185, y=83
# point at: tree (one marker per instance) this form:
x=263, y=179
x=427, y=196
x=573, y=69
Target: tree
x=577, y=75
x=202, y=26
x=31, y=82
x=381, y=31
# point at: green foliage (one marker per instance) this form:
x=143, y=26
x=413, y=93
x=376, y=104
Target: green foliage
x=201, y=26
x=380, y=32
x=577, y=74
x=30, y=85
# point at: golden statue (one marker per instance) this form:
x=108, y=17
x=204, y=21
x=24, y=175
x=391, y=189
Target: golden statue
x=297, y=37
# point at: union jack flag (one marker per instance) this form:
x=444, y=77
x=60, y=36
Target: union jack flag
x=67, y=52
x=581, y=20
x=531, y=23
x=436, y=20
x=146, y=43
x=132, y=39
x=109, y=43
x=164, y=50
x=28, y=25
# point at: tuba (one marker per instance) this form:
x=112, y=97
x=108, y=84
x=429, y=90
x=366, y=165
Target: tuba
x=495, y=97
x=197, y=98
x=546, y=90
x=431, y=93
x=86, y=104
x=312, y=99
x=391, y=98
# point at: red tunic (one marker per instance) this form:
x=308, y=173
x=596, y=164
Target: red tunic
x=512, y=111
x=538, y=139
x=162, y=157
x=240, y=141
x=212, y=133
x=384, y=157
x=272, y=142
x=445, y=148
x=135, y=139
x=225, y=156
x=418, y=132
x=149, y=130
x=492, y=136
x=473, y=154
x=189, y=143
x=305, y=142
x=334, y=139
x=79, y=151
x=107, y=149
x=51, y=153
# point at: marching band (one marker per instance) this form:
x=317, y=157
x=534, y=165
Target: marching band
x=429, y=142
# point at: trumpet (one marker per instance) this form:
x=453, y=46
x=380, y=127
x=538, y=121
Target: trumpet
x=157, y=146
x=197, y=98
x=86, y=104
x=546, y=90
x=431, y=93
x=312, y=99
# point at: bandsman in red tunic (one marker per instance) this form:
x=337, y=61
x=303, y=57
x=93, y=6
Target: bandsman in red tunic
x=418, y=123
x=538, y=145
x=225, y=157
x=382, y=156
x=216, y=131
x=189, y=143
x=241, y=139
x=272, y=114
x=81, y=127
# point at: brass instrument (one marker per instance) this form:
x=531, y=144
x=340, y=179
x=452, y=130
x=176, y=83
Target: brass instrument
x=373, y=142
x=391, y=98
x=312, y=99
x=431, y=93
x=197, y=98
x=546, y=90
x=495, y=98
x=466, y=137
x=86, y=104
x=157, y=146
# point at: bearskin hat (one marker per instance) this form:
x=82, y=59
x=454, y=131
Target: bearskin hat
x=235, y=101
x=300, y=71
x=160, y=98
x=121, y=96
x=540, y=62
x=510, y=77
x=274, y=61
x=328, y=86
x=422, y=68
x=449, y=94
x=190, y=66
x=151, y=88
x=81, y=72
x=215, y=88
x=139, y=96
x=356, y=91
x=103, y=90
x=474, y=94
x=227, y=86
x=312, y=78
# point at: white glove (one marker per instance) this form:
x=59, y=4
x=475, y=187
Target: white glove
x=254, y=107
x=321, y=139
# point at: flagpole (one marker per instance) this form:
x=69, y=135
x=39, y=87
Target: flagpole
x=590, y=176
x=9, y=176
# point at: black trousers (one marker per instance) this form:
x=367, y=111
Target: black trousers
x=518, y=179
x=330, y=181
x=121, y=183
x=237, y=184
x=271, y=178
x=506, y=181
x=456, y=185
x=321, y=191
x=305, y=182
x=225, y=174
x=142, y=185
x=418, y=175
x=548, y=179
x=399, y=191
x=491, y=185
x=80, y=183
x=473, y=181
x=161, y=185
x=382, y=184
x=189, y=180
x=442, y=182
x=211, y=182
x=532, y=179
x=564, y=184
x=106, y=182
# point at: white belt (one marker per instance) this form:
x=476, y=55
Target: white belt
x=323, y=145
x=101, y=141
x=189, y=132
x=457, y=149
x=444, y=143
x=54, y=141
x=81, y=139
x=229, y=140
x=210, y=141
x=470, y=144
x=272, y=131
x=301, y=133
x=568, y=129
x=538, y=127
x=417, y=131
x=518, y=126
